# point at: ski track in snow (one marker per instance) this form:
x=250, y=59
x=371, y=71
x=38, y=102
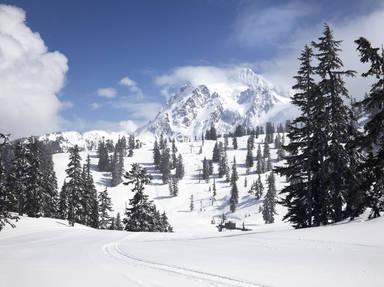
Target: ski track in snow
x=113, y=249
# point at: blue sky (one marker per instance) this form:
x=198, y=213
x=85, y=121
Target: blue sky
x=105, y=41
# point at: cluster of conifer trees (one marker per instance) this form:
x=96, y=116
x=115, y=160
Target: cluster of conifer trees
x=169, y=163
x=115, y=163
x=28, y=182
x=334, y=168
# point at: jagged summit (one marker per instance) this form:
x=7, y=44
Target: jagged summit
x=248, y=100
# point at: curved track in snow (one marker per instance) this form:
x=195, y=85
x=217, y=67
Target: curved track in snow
x=113, y=249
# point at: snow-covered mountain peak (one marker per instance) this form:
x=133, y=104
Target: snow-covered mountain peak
x=246, y=98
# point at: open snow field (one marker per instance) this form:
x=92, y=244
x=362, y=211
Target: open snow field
x=46, y=252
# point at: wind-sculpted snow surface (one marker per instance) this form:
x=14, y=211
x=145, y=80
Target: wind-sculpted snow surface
x=46, y=252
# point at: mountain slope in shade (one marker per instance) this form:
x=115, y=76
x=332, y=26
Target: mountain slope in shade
x=249, y=100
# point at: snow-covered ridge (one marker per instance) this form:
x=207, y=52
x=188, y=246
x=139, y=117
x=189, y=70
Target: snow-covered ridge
x=61, y=141
x=248, y=100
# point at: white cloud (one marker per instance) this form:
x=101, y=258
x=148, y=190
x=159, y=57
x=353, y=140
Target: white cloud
x=139, y=111
x=283, y=67
x=106, y=93
x=128, y=126
x=30, y=78
x=132, y=87
x=256, y=26
x=82, y=125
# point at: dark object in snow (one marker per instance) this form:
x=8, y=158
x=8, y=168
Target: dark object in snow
x=231, y=226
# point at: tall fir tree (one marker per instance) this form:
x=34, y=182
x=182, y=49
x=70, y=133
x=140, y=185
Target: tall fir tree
x=105, y=207
x=234, y=199
x=337, y=117
x=74, y=186
x=299, y=194
x=373, y=140
x=7, y=198
x=269, y=204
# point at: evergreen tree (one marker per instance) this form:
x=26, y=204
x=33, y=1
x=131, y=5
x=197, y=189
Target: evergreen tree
x=249, y=157
x=118, y=223
x=165, y=165
x=216, y=156
x=266, y=151
x=63, y=202
x=191, y=203
x=337, y=117
x=205, y=170
x=142, y=214
x=74, y=186
x=89, y=200
x=257, y=188
x=19, y=176
x=156, y=155
x=174, y=151
x=260, y=160
x=270, y=201
x=7, y=199
x=34, y=192
x=179, y=167
x=234, y=199
x=373, y=140
x=234, y=142
x=302, y=150
x=214, y=189
x=102, y=152
x=105, y=207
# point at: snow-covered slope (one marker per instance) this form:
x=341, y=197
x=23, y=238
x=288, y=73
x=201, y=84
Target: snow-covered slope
x=177, y=208
x=46, y=252
x=249, y=100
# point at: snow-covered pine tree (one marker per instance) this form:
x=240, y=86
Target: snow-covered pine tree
x=373, y=140
x=337, y=118
x=118, y=223
x=234, y=199
x=156, y=154
x=48, y=183
x=102, y=153
x=174, y=157
x=270, y=201
x=18, y=178
x=175, y=186
x=63, y=202
x=74, y=186
x=266, y=151
x=179, y=173
x=249, y=157
x=214, y=189
x=260, y=160
x=234, y=142
x=216, y=155
x=105, y=207
x=7, y=198
x=165, y=165
x=259, y=188
x=205, y=170
x=298, y=196
x=141, y=215
x=34, y=192
x=117, y=165
x=191, y=203
x=89, y=198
